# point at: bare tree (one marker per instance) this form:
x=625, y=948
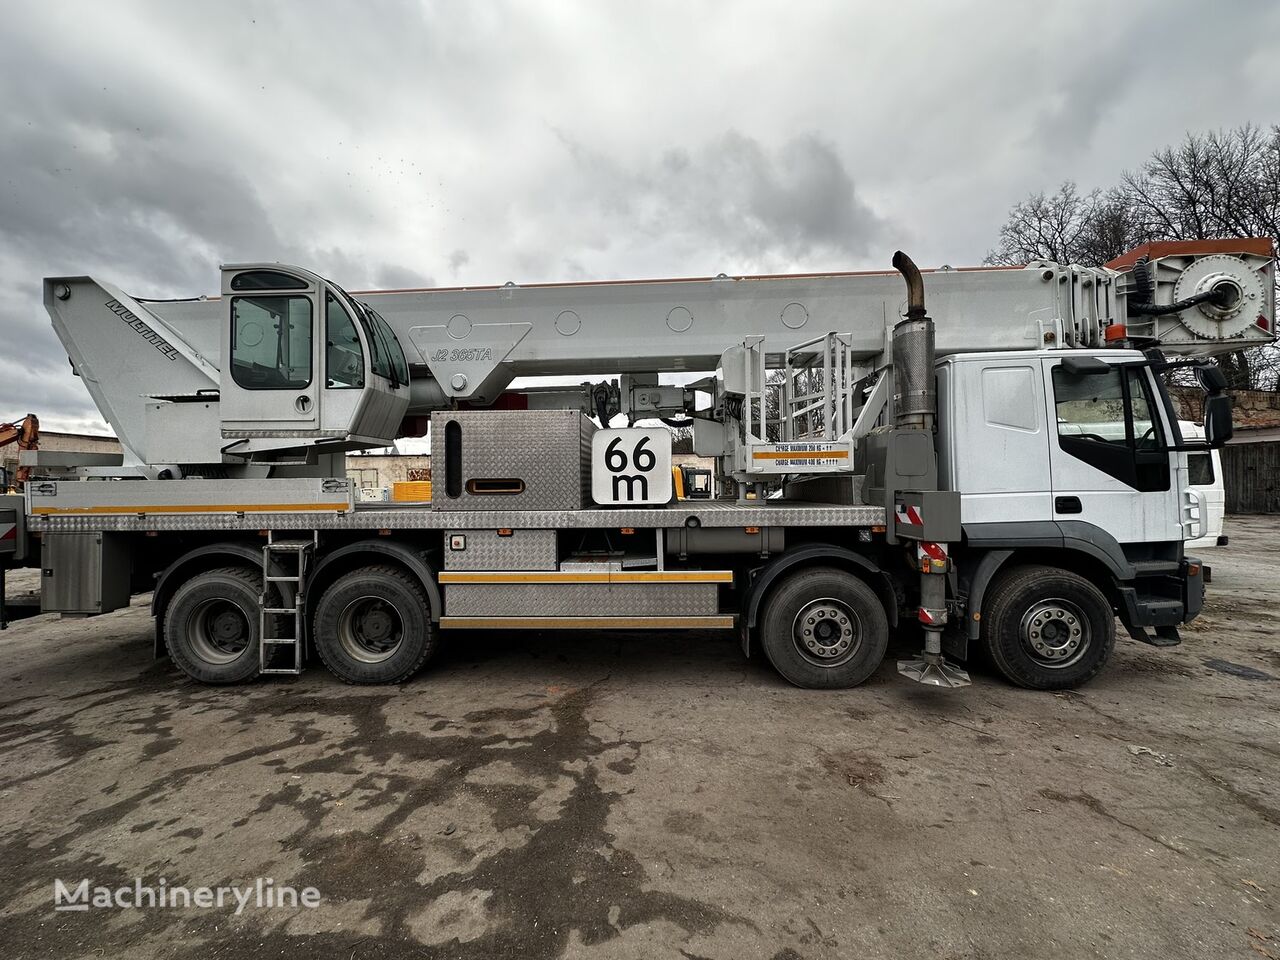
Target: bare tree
x=1067, y=227
x=1215, y=184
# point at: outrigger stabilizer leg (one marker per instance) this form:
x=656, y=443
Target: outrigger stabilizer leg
x=931, y=666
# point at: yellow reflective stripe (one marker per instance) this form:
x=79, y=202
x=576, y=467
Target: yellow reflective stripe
x=801, y=455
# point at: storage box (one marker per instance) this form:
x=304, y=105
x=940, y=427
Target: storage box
x=511, y=460
x=85, y=573
x=500, y=550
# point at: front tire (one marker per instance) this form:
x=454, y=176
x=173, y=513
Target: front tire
x=824, y=629
x=1046, y=628
x=211, y=626
x=373, y=625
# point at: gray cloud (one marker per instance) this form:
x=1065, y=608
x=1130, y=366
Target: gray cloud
x=731, y=198
x=394, y=144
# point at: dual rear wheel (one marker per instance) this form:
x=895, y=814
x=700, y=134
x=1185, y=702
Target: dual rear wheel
x=372, y=625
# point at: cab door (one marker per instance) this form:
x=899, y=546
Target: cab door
x=270, y=370
x=1109, y=463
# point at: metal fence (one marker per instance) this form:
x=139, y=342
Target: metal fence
x=1251, y=476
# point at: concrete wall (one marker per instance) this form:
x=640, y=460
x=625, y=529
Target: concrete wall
x=380, y=471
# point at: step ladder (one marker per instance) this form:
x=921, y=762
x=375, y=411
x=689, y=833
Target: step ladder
x=291, y=556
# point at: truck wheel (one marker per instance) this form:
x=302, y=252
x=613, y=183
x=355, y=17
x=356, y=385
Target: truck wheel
x=1047, y=628
x=374, y=626
x=211, y=625
x=824, y=628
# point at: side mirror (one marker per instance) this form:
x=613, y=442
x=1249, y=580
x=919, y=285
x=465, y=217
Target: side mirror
x=1217, y=419
x=1211, y=378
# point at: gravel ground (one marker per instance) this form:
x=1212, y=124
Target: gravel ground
x=640, y=796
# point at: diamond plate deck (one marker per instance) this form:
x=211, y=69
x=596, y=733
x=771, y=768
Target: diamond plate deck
x=520, y=549
x=581, y=599
x=385, y=516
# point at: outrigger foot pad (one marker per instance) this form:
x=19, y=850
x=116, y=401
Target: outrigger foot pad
x=935, y=671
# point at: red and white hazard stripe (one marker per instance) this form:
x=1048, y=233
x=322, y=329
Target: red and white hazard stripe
x=8, y=531
x=909, y=515
x=932, y=617
x=928, y=550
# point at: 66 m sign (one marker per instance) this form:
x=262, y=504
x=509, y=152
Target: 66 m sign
x=631, y=466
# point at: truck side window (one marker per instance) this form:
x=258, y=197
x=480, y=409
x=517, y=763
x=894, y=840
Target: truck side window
x=344, y=359
x=1109, y=421
x=1200, y=469
x=271, y=342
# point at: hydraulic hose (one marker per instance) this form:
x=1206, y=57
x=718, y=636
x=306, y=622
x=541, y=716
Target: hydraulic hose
x=1145, y=290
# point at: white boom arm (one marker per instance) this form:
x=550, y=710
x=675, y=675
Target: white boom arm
x=475, y=341
x=316, y=371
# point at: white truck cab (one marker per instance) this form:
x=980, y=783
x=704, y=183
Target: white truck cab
x=1027, y=438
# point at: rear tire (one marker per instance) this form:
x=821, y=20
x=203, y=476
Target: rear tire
x=1046, y=628
x=373, y=625
x=211, y=626
x=824, y=629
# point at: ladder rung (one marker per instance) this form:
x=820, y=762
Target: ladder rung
x=273, y=553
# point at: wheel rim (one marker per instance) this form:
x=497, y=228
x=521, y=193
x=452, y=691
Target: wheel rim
x=370, y=629
x=827, y=633
x=1055, y=633
x=219, y=630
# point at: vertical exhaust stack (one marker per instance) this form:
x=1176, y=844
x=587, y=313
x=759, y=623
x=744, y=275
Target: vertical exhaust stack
x=915, y=400
x=915, y=408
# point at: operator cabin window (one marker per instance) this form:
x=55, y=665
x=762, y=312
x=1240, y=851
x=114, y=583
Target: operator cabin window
x=1107, y=420
x=271, y=342
x=379, y=355
x=398, y=364
x=343, y=359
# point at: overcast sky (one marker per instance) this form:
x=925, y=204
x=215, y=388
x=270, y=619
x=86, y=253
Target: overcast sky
x=393, y=144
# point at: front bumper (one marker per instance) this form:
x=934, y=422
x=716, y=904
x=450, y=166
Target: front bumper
x=1152, y=608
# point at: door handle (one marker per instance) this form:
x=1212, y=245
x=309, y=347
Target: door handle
x=1067, y=505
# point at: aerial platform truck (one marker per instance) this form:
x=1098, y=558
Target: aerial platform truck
x=986, y=456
